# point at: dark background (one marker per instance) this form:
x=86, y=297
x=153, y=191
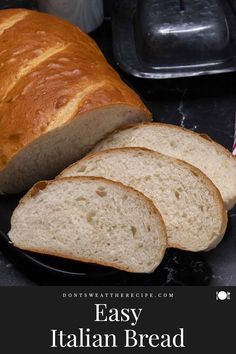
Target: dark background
x=30, y=314
x=204, y=104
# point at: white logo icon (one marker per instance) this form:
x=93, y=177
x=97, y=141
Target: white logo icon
x=222, y=295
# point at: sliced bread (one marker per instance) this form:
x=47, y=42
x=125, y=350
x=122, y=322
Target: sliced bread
x=91, y=220
x=198, y=150
x=190, y=204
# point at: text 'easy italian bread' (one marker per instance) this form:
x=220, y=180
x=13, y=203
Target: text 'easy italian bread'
x=58, y=97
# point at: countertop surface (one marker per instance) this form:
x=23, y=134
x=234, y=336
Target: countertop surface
x=204, y=104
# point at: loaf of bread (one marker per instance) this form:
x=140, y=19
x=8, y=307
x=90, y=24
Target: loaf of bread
x=91, y=220
x=190, y=204
x=58, y=97
x=198, y=150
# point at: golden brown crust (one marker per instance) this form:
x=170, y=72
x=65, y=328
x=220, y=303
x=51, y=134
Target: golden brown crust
x=40, y=186
x=47, y=64
x=194, y=170
x=205, y=136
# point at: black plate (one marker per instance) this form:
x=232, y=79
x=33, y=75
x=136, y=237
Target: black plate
x=174, y=38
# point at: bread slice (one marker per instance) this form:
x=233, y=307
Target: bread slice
x=190, y=204
x=91, y=220
x=198, y=150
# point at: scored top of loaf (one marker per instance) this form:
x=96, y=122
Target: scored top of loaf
x=50, y=71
